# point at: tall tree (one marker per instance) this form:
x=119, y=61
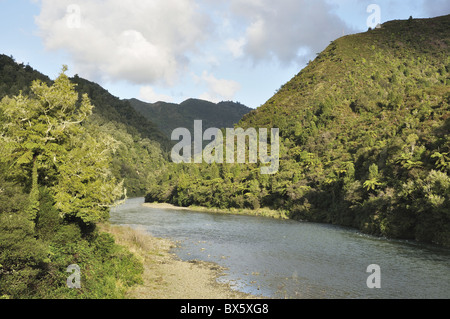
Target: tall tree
x=46, y=145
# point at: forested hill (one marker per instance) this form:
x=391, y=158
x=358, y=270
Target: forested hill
x=365, y=139
x=140, y=147
x=170, y=116
x=114, y=109
x=15, y=77
x=364, y=74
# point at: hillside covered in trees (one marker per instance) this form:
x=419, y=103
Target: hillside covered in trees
x=140, y=147
x=169, y=116
x=365, y=139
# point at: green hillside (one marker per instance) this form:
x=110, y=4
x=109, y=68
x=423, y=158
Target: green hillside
x=141, y=146
x=169, y=116
x=16, y=77
x=113, y=109
x=365, y=139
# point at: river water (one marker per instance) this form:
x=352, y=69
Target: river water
x=289, y=259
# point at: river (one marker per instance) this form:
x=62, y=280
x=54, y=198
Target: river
x=289, y=259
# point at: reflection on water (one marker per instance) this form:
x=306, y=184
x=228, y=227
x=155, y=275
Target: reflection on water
x=288, y=259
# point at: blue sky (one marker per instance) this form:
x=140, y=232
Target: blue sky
x=171, y=50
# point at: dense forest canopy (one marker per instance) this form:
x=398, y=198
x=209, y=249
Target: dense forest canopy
x=365, y=139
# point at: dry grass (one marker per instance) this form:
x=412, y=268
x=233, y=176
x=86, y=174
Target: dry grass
x=167, y=277
x=261, y=212
x=136, y=240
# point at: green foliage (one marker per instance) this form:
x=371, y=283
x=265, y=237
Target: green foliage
x=373, y=181
x=113, y=110
x=22, y=256
x=169, y=116
x=365, y=139
x=45, y=138
x=442, y=161
x=135, y=161
x=55, y=186
x=106, y=268
x=141, y=154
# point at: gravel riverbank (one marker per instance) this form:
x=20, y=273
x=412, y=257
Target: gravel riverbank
x=167, y=277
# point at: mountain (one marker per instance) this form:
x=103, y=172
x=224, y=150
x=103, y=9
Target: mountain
x=16, y=77
x=365, y=139
x=114, y=109
x=169, y=116
x=141, y=147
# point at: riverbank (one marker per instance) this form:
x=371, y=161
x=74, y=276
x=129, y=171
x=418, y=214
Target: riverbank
x=167, y=277
x=261, y=212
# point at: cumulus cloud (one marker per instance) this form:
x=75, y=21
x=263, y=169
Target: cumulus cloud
x=153, y=42
x=285, y=29
x=140, y=41
x=218, y=89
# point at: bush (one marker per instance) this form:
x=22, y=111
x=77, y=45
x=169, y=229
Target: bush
x=23, y=258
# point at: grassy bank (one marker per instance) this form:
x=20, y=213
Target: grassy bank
x=167, y=277
x=261, y=212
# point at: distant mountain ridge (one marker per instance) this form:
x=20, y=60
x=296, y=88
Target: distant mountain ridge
x=169, y=116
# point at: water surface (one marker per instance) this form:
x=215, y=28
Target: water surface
x=289, y=259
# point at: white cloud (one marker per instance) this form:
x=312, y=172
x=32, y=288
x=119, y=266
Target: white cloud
x=147, y=94
x=144, y=42
x=154, y=42
x=218, y=89
x=281, y=29
x=236, y=46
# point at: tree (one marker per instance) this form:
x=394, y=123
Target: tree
x=47, y=145
x=372, y=182
x=442, y=161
